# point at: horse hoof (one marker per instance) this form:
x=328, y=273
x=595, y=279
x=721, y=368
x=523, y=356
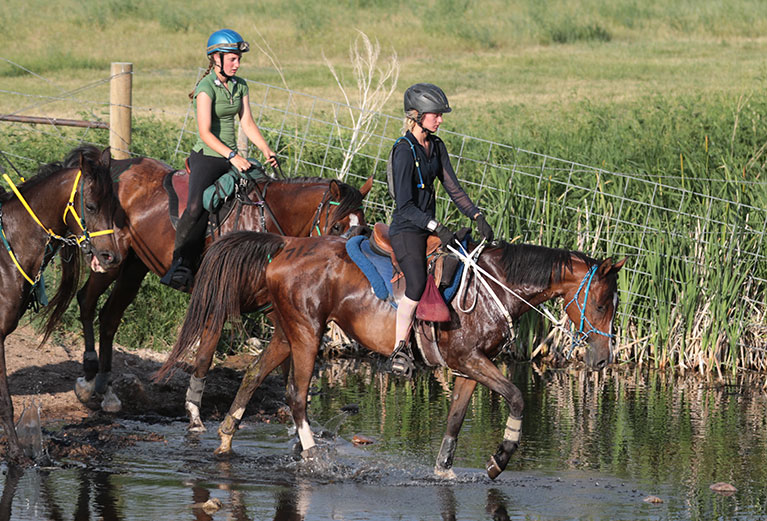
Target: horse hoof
x=84, y=389
x=223, y=452
x=196, y=426
x=444, y=473
x=111, y=403
x=492, y=467
x=310, y=453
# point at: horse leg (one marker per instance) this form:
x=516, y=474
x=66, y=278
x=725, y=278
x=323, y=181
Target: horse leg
x=15, y=454
x=274, y=355
x=124, y=292
x=87, y=298
x=481, y=369
x=304, y=348
x=206, y=348
x=462, y=391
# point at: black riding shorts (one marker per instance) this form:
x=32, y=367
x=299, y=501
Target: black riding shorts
x=204, y=171
x=410, y=252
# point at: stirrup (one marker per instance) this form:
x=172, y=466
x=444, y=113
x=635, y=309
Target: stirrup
x=401, y=361
x=179, y=276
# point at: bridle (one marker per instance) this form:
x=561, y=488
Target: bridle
x=83, y=240
x=582, y=333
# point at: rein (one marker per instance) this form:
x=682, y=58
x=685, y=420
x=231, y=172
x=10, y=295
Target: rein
x=470, y=262
x=83, y=240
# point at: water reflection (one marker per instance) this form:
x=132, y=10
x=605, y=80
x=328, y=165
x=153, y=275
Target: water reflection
x=594, y=446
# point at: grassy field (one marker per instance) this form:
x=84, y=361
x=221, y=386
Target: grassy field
x=626, y=86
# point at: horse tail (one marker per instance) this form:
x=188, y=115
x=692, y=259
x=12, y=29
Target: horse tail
x=231, y=272
x=70, y=281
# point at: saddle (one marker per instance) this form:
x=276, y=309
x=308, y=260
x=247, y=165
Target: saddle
x=375, y=259
x=380, y=243
x=224, y=193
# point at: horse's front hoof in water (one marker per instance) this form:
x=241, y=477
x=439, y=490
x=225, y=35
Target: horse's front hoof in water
x=493, y=468
x=310, y=453
x=84, y=389
x=444, y=473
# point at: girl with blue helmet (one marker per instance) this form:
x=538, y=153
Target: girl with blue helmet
x=218, y=99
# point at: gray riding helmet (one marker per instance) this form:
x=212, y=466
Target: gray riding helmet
x=426, y=97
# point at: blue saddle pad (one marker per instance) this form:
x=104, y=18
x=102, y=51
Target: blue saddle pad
x=379, y=270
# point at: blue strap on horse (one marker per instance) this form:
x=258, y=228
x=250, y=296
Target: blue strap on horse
x=582, y=334
x=379, y=271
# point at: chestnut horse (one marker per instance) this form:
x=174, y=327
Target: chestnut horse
x=297, y=206
x=311, y=281
x=58, y=210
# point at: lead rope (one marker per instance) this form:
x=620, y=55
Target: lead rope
x=481, y=274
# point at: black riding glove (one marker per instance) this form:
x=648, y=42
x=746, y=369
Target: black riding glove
x=445, y=234
x=484, y=229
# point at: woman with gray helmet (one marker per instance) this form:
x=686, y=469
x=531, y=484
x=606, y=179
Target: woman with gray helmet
x=417, y=159
x=218, y=98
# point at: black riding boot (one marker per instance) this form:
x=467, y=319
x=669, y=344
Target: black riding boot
x=190, y=234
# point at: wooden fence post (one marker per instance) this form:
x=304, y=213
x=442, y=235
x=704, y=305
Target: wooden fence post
x=120, y=104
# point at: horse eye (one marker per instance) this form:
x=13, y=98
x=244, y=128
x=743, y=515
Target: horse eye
x=336, y=228
x=90, y=207
x=601, y=308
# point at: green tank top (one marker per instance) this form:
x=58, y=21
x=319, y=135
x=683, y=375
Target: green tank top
x=226, y=106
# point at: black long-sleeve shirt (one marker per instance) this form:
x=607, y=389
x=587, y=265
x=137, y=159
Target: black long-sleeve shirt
x=414, y=206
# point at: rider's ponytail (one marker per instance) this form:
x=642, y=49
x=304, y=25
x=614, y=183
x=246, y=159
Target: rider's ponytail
x=210, y=66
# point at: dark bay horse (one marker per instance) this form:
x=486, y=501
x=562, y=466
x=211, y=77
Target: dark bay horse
x=311, y=281
x=296, y=207
x=60, y=209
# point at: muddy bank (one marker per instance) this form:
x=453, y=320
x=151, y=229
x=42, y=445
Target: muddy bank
x=45, y=376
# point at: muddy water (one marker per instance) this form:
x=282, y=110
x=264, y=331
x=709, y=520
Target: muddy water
x=593, y=448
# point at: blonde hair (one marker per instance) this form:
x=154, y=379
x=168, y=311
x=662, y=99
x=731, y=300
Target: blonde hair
x=210, y=66
x=410, y=121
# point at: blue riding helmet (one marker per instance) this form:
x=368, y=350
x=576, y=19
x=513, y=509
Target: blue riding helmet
x=226, y=40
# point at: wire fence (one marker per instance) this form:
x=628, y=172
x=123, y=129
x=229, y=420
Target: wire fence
x=531, y=196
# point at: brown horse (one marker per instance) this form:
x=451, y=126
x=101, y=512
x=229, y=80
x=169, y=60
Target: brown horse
x=60, y=209
x=296, y=207
x=311, y=281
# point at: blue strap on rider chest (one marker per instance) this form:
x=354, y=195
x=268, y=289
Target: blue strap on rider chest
x=415, y=158
x=390, y=171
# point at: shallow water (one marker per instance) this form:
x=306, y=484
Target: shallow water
x=593, y=448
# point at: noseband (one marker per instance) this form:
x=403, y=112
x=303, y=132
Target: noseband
x=582, y=333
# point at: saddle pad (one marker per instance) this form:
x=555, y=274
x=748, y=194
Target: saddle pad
x=378, y=269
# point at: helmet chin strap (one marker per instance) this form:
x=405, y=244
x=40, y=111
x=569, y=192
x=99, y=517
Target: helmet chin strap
x=221, y=66
x=418, y=122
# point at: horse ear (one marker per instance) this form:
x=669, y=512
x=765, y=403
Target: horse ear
x=106, y=157
x=335, y=190
x=365, y=189
x=608, y=267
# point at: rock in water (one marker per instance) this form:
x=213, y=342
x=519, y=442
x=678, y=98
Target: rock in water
x=30, y=433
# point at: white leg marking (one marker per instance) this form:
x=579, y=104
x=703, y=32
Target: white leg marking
x=305, y=435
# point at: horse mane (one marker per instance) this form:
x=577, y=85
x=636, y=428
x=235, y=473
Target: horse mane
x=538, y=266
x=91, y=156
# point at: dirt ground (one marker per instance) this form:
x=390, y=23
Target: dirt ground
x=45, y=376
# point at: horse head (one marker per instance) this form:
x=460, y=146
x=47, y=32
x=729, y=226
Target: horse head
x=94, y=211
x=347, y=219
x=591, y=301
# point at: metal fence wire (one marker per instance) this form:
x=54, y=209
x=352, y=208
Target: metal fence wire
x=530, y=196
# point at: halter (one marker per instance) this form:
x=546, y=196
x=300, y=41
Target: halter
x=83, y=240
x=316, y=221
x=581, y=335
